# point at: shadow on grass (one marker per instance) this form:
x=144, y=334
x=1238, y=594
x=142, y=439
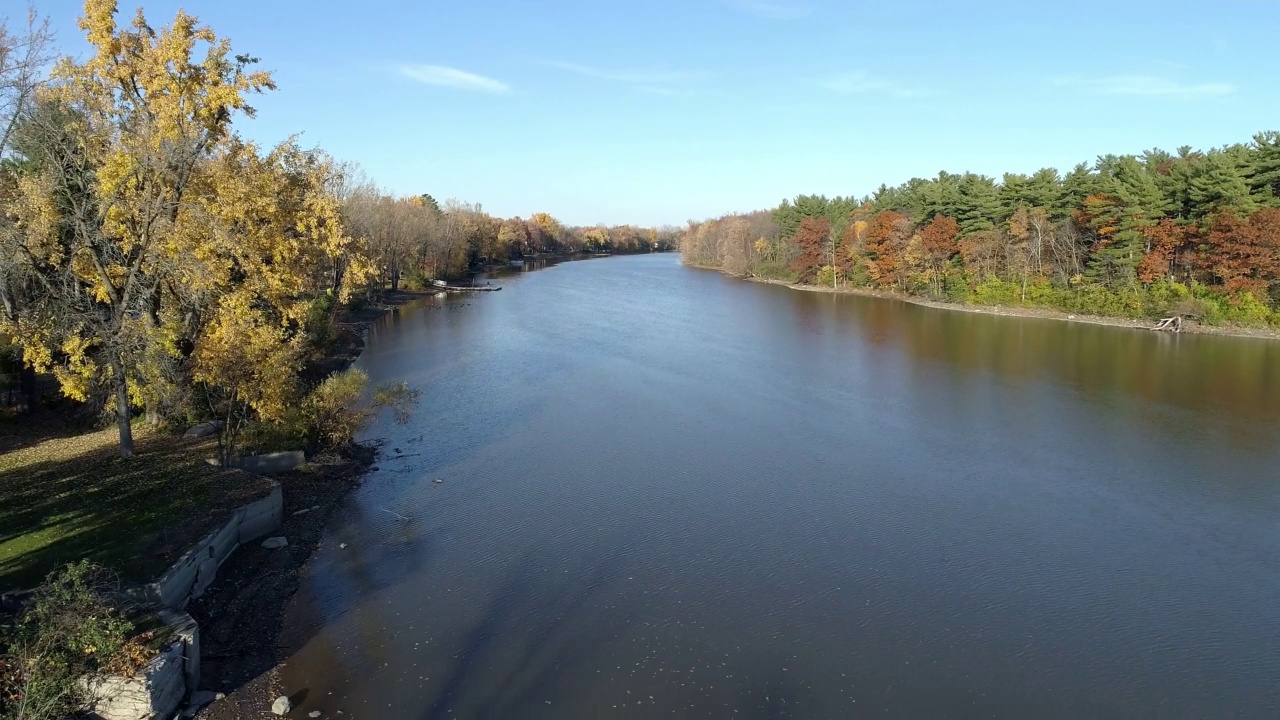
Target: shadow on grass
x=21, y=431
x=72, y=497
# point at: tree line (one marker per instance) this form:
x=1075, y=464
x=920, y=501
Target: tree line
x=1193, y=233
x=151, y=257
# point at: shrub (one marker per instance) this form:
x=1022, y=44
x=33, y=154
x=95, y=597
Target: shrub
x=772, y=270
x=1246, y=309
x=995, y=291
x=1163, y=296
x=320, y=329
x=955, y=285
x=69, y=632
x=417, y=280
x=329, y=413
x=332, y=414
x=329, y=416
x=358, y=300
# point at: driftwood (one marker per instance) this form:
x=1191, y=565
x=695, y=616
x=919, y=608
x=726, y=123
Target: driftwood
x=1170, y=324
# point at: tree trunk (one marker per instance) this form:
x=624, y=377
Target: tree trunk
x=26, y=389
x=123, y=415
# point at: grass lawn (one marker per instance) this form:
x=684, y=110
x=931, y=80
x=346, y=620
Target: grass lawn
x=71, y=496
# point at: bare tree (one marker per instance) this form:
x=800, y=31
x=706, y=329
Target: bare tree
x=24, y=58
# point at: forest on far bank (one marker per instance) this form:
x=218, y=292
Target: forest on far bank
x=1190, y=233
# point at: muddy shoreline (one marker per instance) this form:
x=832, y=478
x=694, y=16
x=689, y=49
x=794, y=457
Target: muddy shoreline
x=241, y=616
x=1018, y=311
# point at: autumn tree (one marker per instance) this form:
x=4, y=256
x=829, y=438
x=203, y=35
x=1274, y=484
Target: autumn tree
x=545, y=232
x=151, y=228
x=112, y=232
x=938, y=242
x=513, y=236
x=1244, y=254
x=1168, y=242
x=811, y=238
x=888, y=234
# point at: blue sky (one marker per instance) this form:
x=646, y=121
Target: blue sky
x=660, y=111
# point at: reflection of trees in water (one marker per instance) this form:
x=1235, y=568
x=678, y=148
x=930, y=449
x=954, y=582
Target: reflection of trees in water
x=1235, y=375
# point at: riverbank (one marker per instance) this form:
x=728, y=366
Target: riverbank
x=242, y=614
x=1189, y=326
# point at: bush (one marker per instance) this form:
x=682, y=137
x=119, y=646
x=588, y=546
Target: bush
x=995, y=291
x=417, y=280
x=1095, y=299
x=358, y=300
x=772, y=271
x=1164, y=296
x=329, y=416
x=1246, y=309
x=329, y=413
x=70, y=632
x=320, y=329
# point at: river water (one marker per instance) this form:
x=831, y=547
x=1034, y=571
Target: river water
x=669, y=493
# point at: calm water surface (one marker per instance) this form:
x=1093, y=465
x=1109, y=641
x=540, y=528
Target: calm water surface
x=668, y=493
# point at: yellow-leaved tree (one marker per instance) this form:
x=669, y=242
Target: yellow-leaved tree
x=274, y=239
x=154, y=236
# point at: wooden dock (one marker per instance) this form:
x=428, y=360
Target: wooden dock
x=468, y=288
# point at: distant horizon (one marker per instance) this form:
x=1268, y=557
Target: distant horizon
x=657, y=114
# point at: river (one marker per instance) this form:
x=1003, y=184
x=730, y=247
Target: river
x=669, y=493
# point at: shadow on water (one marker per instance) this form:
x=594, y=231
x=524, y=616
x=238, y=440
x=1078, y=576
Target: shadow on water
x=540, y=654
x=369, y=564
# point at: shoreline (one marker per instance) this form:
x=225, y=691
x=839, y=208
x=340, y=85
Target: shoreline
x=1190, y=327
x=241, y=616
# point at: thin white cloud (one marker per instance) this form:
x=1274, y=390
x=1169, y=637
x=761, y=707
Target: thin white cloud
x=654, y=82
x=771, y=9
x=1147, y=86
x=454, y=78
x=631, y=77
x=664, y=91
x=862, y=83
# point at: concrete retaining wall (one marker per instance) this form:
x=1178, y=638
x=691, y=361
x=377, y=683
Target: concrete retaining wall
x=158, y=689
x=272, y=464
x=195, y=570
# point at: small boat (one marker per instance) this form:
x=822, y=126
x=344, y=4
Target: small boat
x=439, y=283
x=517, y=263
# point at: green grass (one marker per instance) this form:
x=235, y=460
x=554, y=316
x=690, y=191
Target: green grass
x=63, y=498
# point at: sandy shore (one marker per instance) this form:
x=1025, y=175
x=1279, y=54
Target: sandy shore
x=1189, y=326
